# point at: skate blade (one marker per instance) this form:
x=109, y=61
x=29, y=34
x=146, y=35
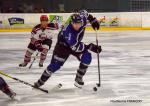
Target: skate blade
x=78, y=85
x=15, y=98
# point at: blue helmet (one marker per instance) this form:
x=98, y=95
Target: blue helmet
x=75, y=18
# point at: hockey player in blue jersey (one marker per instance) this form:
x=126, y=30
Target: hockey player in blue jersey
x=69, y=43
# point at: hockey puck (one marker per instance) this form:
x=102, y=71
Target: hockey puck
x=59, y=85
x=95, y=89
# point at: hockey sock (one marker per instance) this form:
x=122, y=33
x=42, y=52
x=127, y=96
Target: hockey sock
x=45, y=76
x=43, y=56
x=27, y=57
x=80, y=73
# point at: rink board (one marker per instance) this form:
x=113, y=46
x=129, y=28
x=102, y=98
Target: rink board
x=87, y=29
x=109, y=21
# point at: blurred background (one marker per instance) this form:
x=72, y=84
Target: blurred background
x=56, y=6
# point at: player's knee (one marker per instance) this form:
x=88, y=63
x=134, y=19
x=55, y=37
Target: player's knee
x=86, y=58
x=44, y=52
x=53, y=67
x=46, y=47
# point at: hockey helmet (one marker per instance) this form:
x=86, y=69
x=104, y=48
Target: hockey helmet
x=43, y=18
x=75, y=18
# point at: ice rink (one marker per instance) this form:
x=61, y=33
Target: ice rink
x=125, y=72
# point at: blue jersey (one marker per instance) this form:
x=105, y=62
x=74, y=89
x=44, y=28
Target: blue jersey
x=73, y=38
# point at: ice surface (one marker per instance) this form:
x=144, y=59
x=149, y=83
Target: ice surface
x=125, y=74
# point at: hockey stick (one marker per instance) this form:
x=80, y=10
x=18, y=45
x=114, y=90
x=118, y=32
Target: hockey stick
x=33, y=60
x=23, y=82
x=98, y=61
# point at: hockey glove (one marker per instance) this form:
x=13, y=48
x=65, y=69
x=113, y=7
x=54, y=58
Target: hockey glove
x=94, y=48
x=39, y=46
x=95, y=24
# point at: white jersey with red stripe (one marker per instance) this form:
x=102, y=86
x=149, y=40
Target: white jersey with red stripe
x=40, y=34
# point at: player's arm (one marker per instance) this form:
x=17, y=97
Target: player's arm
x=93, y=21
x=34, y=34
x=79, y=47
x=35, y=39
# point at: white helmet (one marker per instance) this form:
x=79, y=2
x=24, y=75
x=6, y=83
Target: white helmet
x=83, y=13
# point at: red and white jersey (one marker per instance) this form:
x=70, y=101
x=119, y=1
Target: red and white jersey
x=40, y=34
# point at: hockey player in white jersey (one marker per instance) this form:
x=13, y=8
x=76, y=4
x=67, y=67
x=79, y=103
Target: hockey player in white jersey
x=41, y=40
